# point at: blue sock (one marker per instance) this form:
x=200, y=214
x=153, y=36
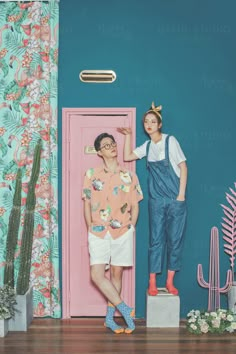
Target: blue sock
x=128, y=314
x=110, y=323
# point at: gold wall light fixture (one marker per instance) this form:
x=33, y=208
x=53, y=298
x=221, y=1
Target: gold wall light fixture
x=98, y=76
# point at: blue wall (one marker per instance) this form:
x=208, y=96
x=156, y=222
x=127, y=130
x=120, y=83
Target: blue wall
x=181, y=54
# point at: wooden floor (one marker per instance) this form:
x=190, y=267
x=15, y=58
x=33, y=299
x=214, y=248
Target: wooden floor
x=88, y=336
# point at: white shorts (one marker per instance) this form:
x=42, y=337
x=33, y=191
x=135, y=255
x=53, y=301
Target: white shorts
x=118, y=252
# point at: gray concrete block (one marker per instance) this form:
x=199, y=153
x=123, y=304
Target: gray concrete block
x=162, y=310
x=3, y=327
x=232, y=298
x=24, y=315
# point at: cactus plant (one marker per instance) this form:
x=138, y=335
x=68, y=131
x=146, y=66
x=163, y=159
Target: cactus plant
x=214, y=275
x=28, y=228
x=13, y=229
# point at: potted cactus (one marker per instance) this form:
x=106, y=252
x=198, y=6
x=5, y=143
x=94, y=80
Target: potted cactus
x=12, y=234
x=28, y=229
x=24, y=292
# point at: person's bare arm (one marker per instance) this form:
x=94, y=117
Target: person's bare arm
x=134, y=213
x=183, y=181
x=87, y=213
x=128, y=153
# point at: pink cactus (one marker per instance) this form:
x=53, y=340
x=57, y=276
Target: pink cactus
x=214, y=275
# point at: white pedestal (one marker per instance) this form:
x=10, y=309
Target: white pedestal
x=163, y=310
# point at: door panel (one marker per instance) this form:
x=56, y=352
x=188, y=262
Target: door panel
x=84, y=298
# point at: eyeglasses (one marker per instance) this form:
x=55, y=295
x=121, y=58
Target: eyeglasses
x=108, y=146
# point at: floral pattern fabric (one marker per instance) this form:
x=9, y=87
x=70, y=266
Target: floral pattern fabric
x=111, y=196
x=28, y=111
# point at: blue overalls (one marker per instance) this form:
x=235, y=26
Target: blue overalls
x=167, y=216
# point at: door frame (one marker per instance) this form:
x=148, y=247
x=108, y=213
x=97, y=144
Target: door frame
x=66, y=113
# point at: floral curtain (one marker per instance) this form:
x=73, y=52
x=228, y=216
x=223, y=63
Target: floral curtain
x=28, y=111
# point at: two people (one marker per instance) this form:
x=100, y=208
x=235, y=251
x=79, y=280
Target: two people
x=111, y=195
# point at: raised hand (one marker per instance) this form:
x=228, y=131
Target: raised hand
x=124, y=130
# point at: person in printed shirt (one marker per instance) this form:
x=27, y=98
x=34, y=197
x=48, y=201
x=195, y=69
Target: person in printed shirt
x=167, y=179
x=111, y=195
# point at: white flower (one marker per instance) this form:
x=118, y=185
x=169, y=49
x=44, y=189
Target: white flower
x=222, y=311
x=193, y=326
x=33, y=45
x=223, y=316
x=230, y=318
x=213, y=314
x=34, y=90
x=216, y=323
x=204, y=328
x=211, y=322
x=35, y=12
x=191, y=319
x=190, y=313
x=233, y=325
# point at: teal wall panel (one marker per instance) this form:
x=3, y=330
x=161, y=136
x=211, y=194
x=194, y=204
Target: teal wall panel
x=181, y=54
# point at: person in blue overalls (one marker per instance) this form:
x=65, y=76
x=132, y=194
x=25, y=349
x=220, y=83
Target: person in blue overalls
x=167, y=179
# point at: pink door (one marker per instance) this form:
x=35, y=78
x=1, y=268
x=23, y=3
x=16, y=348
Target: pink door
x=80, y=297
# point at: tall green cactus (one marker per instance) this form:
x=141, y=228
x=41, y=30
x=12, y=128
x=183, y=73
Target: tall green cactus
x=28, y=229
x=13, y=229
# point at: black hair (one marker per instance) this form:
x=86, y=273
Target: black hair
x=99, y=138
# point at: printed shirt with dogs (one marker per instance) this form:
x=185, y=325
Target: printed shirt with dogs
x=111, y=197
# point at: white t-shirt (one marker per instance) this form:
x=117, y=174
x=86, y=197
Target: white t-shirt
x=157, y=152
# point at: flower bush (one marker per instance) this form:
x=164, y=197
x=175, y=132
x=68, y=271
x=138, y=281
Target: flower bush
x=219, y=321
x=7, y=302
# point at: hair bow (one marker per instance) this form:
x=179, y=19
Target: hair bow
x=156, y=109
